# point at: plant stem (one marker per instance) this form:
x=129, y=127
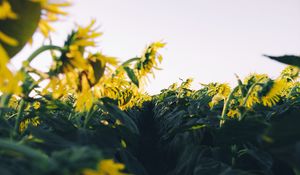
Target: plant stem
x=226, y=105
x=18, y=117
x=4, y=102
x=130, y=60
x=249, y=92
x=87, y=117
x=42, y=49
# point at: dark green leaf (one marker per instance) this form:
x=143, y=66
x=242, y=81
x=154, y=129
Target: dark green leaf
x=132, y=76
x=287, y=59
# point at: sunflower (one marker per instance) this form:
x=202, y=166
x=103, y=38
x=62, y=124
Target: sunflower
x=273, y=95
x=218, y=92
x=149, y=59
x=6, y=13
x=106, y=167
x=290, y=73
x=9, y=81
x=51, y=12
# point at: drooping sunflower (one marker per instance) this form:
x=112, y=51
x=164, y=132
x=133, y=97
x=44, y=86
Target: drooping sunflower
x=218, y=92
x=149, y=59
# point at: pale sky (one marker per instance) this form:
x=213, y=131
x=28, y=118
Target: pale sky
x=208, y=40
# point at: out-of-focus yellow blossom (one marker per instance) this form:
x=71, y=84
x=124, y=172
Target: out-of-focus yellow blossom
x=75, y=59
x=6, y=11
x=84, y=98
x=273, y=96
x=85, y=36
x=7, y=39
x=3, y=57
x=106, y=167
x=98, y=65
x=9, y=82
x=57, y=87
x=51, y=13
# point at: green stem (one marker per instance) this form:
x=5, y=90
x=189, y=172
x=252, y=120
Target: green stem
x=4, y=102
x=226, y=105
x=18, y=117
x=29, y=152
x=42, y=49
x=129, y=61
x=87, y=117
x=117, y=71
x=249, y=93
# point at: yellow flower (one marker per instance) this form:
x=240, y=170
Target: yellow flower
x=6, y=11
x=219, y=93
x=252, y=78
x=51, y=13
x=3, y=57
x=24, y=124
x=215, y=100
x=36, y=105
x=253, y=98
x=84, y=99
x=149, y=59
x=290, y=73
x=85, y=35
x=233, y=113
x=106, y=167
x=9, y=81
x=57, y=87
x=273, y=96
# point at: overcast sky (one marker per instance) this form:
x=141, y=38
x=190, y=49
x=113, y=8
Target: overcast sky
x=208, y=40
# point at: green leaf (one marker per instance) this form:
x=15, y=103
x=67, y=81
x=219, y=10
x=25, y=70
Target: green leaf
x=25, y=150
x=287, y=59
x=98, y=69
x=23, y=27
x=132, y=76
x=117, y=113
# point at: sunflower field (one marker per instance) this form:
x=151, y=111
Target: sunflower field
x=89, y=115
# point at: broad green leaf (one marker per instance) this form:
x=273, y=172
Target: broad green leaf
x=23, y=27
x=132, y=76
x=98, y=69
x=287, y=59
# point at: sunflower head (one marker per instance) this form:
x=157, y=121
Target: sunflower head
x=272, y=91
x=290, y=73
x=149, y=59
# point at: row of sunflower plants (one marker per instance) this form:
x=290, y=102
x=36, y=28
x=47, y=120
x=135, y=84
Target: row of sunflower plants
x=252, y=128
